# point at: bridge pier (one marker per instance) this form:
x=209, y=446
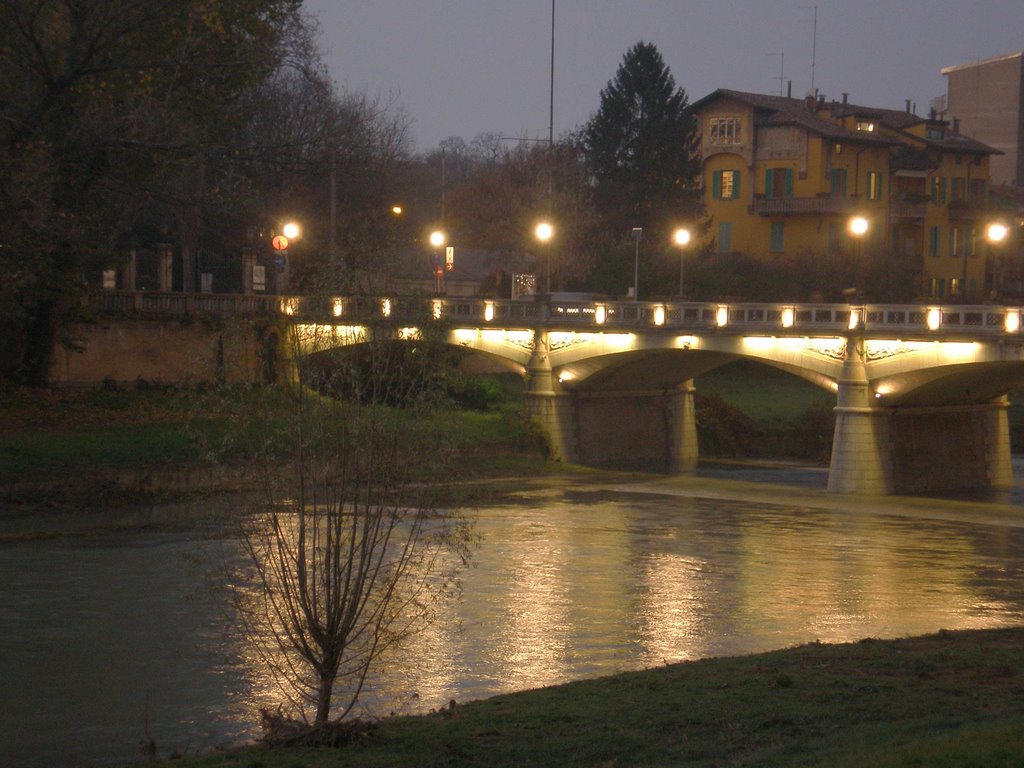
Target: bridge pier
x=951, y=448
x=861, y=456
x=652, y=430
x=645, y=430
x=928, y=449
x=547, y=405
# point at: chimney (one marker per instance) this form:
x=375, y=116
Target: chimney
x=821, y=101
x=789, y=89
x=810, y=101
x=845, y=96
x=956, y=125
x=908, y=106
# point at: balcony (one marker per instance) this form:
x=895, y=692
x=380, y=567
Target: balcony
x=905, y=209
x=966, y=210
x=800, y=206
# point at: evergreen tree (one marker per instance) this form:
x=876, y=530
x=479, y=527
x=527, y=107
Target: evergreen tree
x=642, y=151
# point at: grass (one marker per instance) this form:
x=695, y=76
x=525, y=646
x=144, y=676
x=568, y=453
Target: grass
x=762, y=392
x=951, y=699
x=84, y=436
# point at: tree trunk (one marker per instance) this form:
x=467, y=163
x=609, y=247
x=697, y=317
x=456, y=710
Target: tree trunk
x=323, y=699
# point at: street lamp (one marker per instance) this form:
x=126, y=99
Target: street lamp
x=681, y=237
x=995, y=233
x=858, y=226
x=437, y=241
x=291, y=230
x=638, y=234
x=544, y=232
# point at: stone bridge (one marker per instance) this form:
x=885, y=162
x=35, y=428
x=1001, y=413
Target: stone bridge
x=921, y=391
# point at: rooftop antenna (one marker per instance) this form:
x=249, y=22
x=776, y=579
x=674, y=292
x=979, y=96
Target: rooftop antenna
x=782, y=71
x=814, y=42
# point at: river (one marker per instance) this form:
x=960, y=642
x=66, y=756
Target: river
x=107, y=636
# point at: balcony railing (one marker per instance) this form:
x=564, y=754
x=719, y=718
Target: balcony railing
x=796, y=206
x=900, y=209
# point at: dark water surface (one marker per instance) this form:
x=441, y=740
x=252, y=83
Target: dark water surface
x=100, y=633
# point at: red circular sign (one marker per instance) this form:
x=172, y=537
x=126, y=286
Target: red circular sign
x=280, y=243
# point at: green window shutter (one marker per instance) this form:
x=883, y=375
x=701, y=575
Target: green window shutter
x=789, y=182
x=768, y=182
x=735, y=184
x=725, y=237
x=716, y=185
x=778, y=240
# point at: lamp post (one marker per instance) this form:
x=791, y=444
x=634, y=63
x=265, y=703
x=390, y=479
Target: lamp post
x=544, y=232
x=638, y=234
x=681, y=237
x=995, y=233
x=437, y=241
x=858, y=226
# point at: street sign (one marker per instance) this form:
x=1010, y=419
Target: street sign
x=449, y=258
x=280, y=242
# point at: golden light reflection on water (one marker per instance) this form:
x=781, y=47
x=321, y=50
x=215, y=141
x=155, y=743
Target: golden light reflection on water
x=672, y=608
x=566, y=590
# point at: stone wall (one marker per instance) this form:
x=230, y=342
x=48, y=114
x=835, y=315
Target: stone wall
x=130, y=350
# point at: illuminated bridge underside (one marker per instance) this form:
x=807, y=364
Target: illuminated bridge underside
x=926, y=415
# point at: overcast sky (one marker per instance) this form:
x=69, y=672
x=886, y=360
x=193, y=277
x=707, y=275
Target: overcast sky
x=465, y=67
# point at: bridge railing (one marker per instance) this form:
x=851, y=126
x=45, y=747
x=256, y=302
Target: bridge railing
x=739, y=317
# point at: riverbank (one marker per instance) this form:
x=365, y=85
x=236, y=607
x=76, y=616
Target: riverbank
x=949, y=699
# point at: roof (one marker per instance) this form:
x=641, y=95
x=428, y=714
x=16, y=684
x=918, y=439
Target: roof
x=981, y=62
x=782, y=110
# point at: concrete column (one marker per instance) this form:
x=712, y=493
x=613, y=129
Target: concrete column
x=683, y=451
x=248, y=262
x=861, y=456
x=128, y=277
x=547, y=405
x=165, y=267
x=997, y=444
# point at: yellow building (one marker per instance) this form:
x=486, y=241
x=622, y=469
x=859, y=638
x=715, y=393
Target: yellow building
x=785, y=175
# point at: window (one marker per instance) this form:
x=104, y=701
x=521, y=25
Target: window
x=778, y=182
x=725, y=237
x=725, y=130
x=972, y=242
x=938, y=287
x=835, y=242
x=933, y=241
x=956, y=188
x=939, y=190
x=874, y=185
x=865, y=125
x=935, y=133
x=725, y=185
x=778, y=241
x=837, y=182
x=838, y=149
x=954, y=241
x=978, y=191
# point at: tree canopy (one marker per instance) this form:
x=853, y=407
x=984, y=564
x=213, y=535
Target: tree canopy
x=196, y=121
x=642, y=153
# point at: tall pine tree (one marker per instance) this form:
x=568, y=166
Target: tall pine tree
x=643, y=154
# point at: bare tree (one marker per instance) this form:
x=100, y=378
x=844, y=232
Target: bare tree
x=349, y=557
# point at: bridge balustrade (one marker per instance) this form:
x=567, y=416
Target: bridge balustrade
x=724, y=317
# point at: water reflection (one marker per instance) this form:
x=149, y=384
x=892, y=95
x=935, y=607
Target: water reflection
x=568, y=585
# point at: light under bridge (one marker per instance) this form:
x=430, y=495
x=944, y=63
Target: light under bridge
x=921, y=391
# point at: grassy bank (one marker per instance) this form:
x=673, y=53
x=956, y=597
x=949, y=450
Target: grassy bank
x=951, y=699
x=87, y=447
